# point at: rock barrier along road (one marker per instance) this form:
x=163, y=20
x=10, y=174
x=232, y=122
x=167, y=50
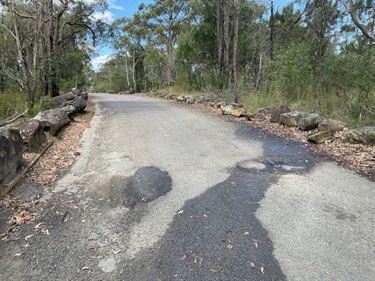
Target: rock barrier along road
x=164, y=191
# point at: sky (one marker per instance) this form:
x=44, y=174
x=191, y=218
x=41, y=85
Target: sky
x=116, y=9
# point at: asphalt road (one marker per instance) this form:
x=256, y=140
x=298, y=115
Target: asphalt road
x=164, y=191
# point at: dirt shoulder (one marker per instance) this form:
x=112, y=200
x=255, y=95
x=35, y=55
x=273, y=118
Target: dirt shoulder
x=357, y=157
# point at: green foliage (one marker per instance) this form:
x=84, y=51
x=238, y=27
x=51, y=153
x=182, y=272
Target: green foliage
x=11, y=102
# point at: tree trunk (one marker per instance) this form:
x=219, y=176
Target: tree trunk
x=349, y=6
x=236, y=9
x=226, y=41
x=260, y=71
x=219, y=36
x=272, y=30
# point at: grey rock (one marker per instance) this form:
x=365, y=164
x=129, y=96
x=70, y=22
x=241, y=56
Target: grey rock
x=32, y=134
x=319, y=136
x=309, y=121
x=332, y=125
x=180, y=98
x=291, y=119
x=365, y=135
x=10, y=153
x=256, y=117
x=53, y=119
x=276, y=112
x=190, y=99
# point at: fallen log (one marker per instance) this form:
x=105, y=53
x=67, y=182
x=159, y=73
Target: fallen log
x=9, y=187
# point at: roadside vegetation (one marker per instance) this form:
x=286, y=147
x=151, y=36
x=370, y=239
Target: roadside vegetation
x=310, y=55
x=45, y=50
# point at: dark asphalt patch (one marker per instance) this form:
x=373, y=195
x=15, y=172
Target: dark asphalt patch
x=215, y=236
x=148, y=184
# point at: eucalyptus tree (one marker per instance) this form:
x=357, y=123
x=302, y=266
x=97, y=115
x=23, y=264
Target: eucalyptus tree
x=41, y=32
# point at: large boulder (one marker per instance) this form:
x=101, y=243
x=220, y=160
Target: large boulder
x=10, y=153
x=332, y=125
x=309, y=121
x=69, y=99
x=364, y=135
x=53, y=119
x=32, y=134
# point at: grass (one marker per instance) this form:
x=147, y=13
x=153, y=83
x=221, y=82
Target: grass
x=11, y=102
x=351, y=108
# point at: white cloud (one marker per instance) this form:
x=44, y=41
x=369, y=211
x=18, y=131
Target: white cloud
x=106, y=16
x=112, y=5
x=97, y=62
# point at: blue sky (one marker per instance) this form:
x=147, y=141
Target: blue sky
x=116, y=9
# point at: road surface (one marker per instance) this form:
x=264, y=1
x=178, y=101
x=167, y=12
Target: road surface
x=164, y=191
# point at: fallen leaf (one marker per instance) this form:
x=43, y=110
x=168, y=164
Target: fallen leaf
x=230, y=246
x=116, y=252
x=180, y=212
x=214, y=270
x=262, y=269
x=198, y=260
x=255, y=243
x=28, y=237
x=18, y=255
x=85, y=268
x=45, y=231
x=246, y=233
x=251, y=264
x=38, y=225
x=12, y=238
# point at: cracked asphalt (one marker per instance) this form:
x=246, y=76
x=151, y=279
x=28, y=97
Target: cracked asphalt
x=164, y=191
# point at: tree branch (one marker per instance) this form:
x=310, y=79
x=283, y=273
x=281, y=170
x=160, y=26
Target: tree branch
x=349, y=6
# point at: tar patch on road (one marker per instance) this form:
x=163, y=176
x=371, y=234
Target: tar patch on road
x=148, y=184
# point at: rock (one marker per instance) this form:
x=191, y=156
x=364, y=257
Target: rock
x=238, y=112
x=10, y=153
x=69, y=99
x=32, y=134
x=190, y=99
x=180, y=98
x=200, y=99
x=365, y=135
x=332, y=125
x=227, y=109
x=53, y=119
x=256, y=117
x=291, y=118
x=276, y=112
x=309, y=121
x=231, y=110
x=319, y=136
